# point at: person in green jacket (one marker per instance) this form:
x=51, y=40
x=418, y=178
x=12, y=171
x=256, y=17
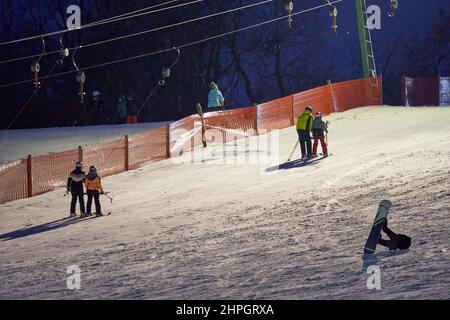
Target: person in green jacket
x=304, y=127
x=122, y=111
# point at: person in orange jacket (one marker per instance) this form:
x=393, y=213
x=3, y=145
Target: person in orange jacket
x=93, y=188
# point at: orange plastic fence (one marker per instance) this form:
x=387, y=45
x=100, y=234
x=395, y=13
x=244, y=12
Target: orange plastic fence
x=356, y=93
x=276, y=114
x=319, y=98
x=50, y=171
x=226, y=126
x=147, y=147
x=420, y=91
x=13, y=179
x=185, y=134
x=109, y=158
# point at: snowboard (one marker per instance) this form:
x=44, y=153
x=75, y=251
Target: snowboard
x=374, y=235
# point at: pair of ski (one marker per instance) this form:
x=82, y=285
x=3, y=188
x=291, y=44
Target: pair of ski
x=306, y=159
x=87, y=217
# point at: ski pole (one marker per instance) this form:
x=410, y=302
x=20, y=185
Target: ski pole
x=85, y=193
x=293, y=150
x=106, y=195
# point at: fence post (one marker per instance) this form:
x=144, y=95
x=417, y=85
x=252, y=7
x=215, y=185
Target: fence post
x=127, y=165
x=331, y=95
x=168, y=141
x=381, y=90
x=80, y=153
x=256, y=117
x=29, y=177
x=200, y=113
x=292, y=111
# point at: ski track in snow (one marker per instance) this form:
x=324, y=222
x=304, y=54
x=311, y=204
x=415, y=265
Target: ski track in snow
x=228, y=232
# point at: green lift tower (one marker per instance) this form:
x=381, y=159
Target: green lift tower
x=365, y=40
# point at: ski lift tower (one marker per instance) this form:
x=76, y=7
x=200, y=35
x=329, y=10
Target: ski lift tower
x=365, y=41
x=374, y=90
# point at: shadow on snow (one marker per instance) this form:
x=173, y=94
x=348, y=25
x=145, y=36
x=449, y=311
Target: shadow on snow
x=49, y=226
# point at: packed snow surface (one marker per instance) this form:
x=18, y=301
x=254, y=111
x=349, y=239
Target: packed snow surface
x=207, y=230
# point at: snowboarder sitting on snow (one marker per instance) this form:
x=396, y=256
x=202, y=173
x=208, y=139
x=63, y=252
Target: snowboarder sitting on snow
x=396, y=241
x=304, y=126
x=75, y=187
x=94, y=189
x=319, y=127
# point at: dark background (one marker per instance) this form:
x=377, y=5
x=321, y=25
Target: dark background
x=256, y=65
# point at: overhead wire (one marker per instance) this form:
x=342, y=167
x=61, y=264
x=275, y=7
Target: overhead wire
x=141, y=32
x=179, y=46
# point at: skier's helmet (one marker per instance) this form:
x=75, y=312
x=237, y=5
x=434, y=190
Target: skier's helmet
x=79, y=165
x=92, y=169
x=318, y=115
x=309, y=108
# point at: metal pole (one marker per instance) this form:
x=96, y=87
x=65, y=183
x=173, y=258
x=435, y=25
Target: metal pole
x=293, y=150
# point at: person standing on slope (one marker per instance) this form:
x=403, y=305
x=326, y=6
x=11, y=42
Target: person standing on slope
x=94, y=189
x=121, y=112
x=319, y=127
x=304, y=127
x=215, y=97
x=75, y=187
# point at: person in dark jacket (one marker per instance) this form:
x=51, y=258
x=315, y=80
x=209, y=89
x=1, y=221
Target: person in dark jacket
x=319, y=128
x=94, y=188
x=75, y=183
x=396, y=241
x=304, y=126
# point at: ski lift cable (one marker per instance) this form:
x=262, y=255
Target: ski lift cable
x=143, y=32
x=179, y=47
x=132, y=12
x=121, y=17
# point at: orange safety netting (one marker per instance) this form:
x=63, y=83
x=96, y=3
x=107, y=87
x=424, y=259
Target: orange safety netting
x=229, y=125
x=318, y=98
x=109, y=158
x=148, y=146
x=185, y=135
x=13, y=179
x=51, y=171
x=276, y=114
x=420, y=91
x=356, y=93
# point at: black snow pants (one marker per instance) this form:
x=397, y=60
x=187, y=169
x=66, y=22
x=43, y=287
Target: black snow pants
x=305, y=142
x=73, y=203
x=96, y=196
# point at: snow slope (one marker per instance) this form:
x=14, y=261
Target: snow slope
x=223, y=231
x=17, y=144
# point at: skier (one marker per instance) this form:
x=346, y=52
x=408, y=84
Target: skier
x=94, y=189
x=396, y=241
x=215, y=97
x=75, y=187
x=319, y=128
x=304, y=126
